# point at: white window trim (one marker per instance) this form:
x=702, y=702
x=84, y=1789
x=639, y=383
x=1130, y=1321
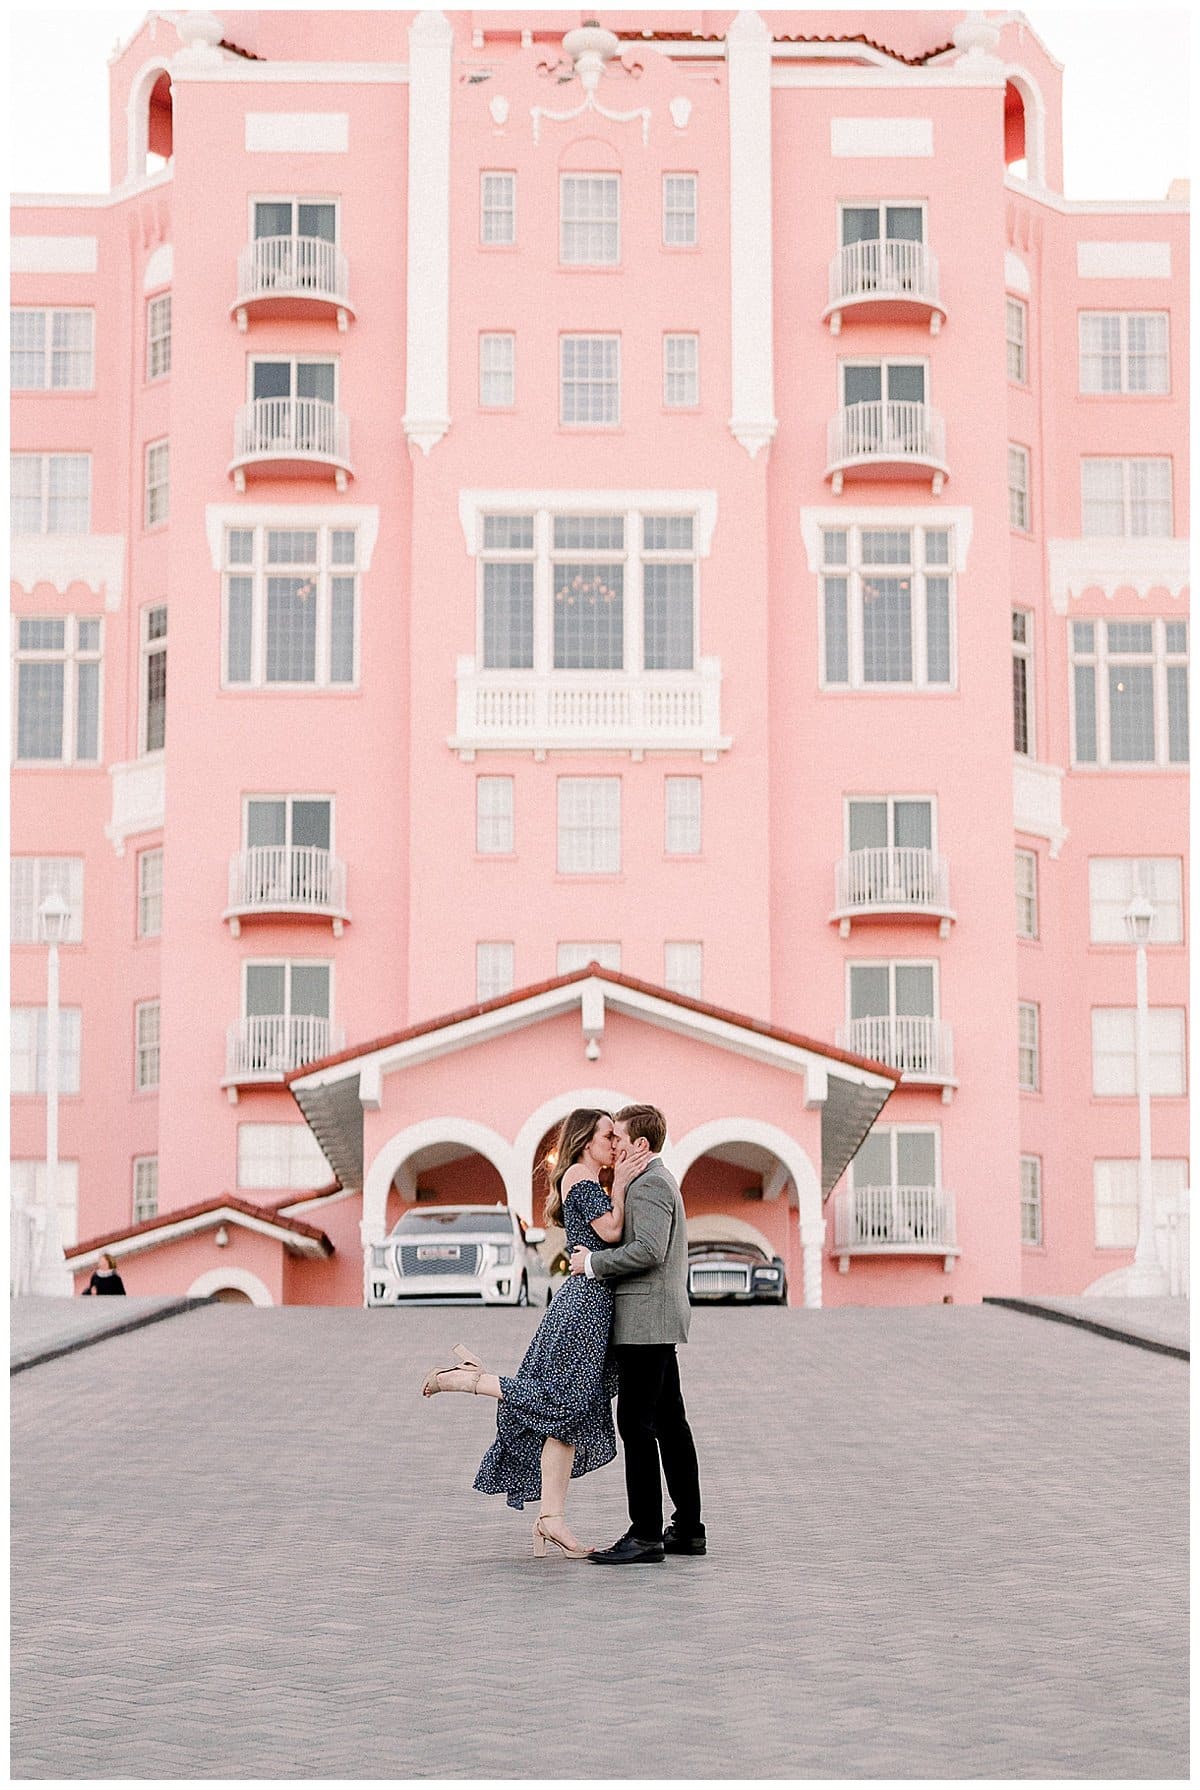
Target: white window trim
x=856, y=685
x=508, y=850
x=1100, y=660
x=566, y=174
x=892, y=964
x=883, y=362
x=293, y=361
x=296, y=200
x=287, y=964
x=680, y=335
x=152, y=340
x=606, y=873
x=164, y=485
x=695, y=993
x=1040, y=1242
x=1024, y=649
x=289, y=798
x=697, y=850
x=141, y=1007
x=881, y=206
x=1134, y=858
x=508, y=977
x=70, y=658
x=605, y=952
x=1034, y=894
x=136, y=1216
x=67, y=1014
x=1013, y=298
x=1124, y=390
x=486, y=174
x=142, y=858
x=572, y=335
x=36, y=859
x=1131, y=1092
x=148, y=649
x=44, y=532
x=498, y=335
x=681, y=174
x=891, y=797
x=1124, y=461
x=49, y=312
x=1025, y=527
x=258, y=570
x=894, y=1132
x=1034, y=1087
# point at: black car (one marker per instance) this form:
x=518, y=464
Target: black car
x=741, y=1272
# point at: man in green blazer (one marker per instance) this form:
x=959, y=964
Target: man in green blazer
x=651, y=1313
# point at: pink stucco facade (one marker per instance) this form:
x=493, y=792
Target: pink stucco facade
x=769, y=342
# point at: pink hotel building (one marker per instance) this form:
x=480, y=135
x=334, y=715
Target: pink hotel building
x=669, y=544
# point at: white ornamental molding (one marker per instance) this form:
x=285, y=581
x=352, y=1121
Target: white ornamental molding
x=1110, y=563
x=138, y=800
x=63, y=560
x=589, y=48
x=1037, y=802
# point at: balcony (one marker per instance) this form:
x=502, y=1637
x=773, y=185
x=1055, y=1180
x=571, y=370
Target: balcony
x=291, y=438
x=899, y=882
x=889, y=1221
x=597, y=711
x=884, y=282
x=887, y=439
x=294, y=277
x=921, y=1047
x=303, y=881
x=263, y=1049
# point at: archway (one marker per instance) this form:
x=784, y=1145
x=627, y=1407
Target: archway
x=739, y=1172
x=150, y=134
x=449, y=1161
x=231, y=1286
x=536, y=1137
x=1024, y=128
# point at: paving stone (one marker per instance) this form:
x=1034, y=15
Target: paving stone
x=946, y=1543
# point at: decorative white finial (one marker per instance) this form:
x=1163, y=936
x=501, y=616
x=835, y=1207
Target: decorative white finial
x=201, y=33
x=589, y=48
x=977, y=35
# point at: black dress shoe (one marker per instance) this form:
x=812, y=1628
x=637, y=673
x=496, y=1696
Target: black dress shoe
x=674, y=1543
x=629, y=1551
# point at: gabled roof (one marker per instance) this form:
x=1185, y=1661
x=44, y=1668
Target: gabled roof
x=168, y=1227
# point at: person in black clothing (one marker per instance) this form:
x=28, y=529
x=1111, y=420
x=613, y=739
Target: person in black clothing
x=105, y=1278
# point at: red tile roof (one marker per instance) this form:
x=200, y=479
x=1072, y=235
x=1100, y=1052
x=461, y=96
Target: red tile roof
x=222, y=1202
x=622, y=980
x=636, y=37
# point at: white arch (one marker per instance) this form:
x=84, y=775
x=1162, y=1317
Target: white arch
x=392, y=1156
x=1016, y=274
x=240, y=1279
x=539, y=1122
x=1035, y=122
x=137, y=116
x=718, y=1227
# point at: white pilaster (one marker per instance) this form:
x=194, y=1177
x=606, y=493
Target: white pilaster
x=812, y=1242
x=753, y=422
x=427, y=396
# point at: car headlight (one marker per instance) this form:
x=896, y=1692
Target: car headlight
x=379, y=1258
x=766, y=1274
x=504, y=1254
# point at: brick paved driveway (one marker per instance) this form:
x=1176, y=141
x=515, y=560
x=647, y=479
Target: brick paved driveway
x=947, y=1542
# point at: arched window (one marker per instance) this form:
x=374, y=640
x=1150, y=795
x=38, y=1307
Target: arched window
x=1024, y=127
x=150, y=132
x=158, y=123
x=1014, y=132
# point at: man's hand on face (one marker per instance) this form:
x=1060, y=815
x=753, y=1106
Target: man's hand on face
x=579, y=1257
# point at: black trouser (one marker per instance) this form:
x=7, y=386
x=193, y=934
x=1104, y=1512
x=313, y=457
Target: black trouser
x=653, y=1423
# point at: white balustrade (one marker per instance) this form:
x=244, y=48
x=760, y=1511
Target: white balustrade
x=268, y=1045
x=291, y=428
x=892, y=876
x=286, y=876
x=886, y=429
x=912, y=1042
x=883, y=269
x=617, y=710
x=292, y=267
x=912, y=1219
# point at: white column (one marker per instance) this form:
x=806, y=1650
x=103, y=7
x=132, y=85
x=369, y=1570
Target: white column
x=812, y=1243
x=427, y=396
x=748, y=58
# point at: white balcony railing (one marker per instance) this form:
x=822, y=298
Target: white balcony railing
x=886, y=277
x=292, y=276
x=287, y=879
x=289, y=436
x=615, y=711
x=890, y=879
x=894, y=1221
x=922, y=1047
x=887, y=438
x=265, y=1047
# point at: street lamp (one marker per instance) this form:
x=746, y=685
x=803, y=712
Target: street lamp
x=1145, y=1277
x=52, y=1275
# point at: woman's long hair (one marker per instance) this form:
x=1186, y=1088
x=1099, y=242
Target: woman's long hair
x=574, y=1136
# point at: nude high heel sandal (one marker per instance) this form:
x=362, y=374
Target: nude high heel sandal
x=542, y=1536
x=433, y=1380
x=466, y=1357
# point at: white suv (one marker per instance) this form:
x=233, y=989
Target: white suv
x=458, y=1255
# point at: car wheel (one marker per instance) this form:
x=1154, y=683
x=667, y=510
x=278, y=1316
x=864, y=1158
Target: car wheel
x=523, y=1295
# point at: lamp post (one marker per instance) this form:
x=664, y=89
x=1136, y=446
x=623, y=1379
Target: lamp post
x=51, y=1275
x=1145, y=1278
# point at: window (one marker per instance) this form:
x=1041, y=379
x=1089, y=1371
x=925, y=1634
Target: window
x=58, y=689
x=1028, y=1046
x=288, y=840
x=28, y=1049
x=154, y=678
x=887, y=607
x=1022, y=671
x=27, y=1181
x=891, y=841
x=147, y=1027
x=1114, y=1064
x=280, y=1156
x=679, y=224
x=896, y=1156
x=1031, y=1201
x=889, y=221
x=905, y=996
x=1027, y=894
x=493, y=969
x=497, y=370
x=50, y=350
x=881, y=248
x=1127, y=497
x=1018, y=488
x=1123, y=352
x=150, y=892
x=681, y=372
x=589, y=825
x=1115, y=1188
x=1129, y=692
x=145, y=1188
x=683, y=967
x=291, y=600
x=497, y=209
x=51, y=494
x=316, y=219
x=1112, y=885
x=590, y=390
x=597, y=571
x=304, y=424
x=30, y=881
x=682, y=809
x=577, y=956
x=285, y=1012
x=590, y=220
x=494, y=814
x=158, y=487
x=158, y=336
x=1016, y=334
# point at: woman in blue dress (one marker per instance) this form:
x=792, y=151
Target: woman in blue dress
x=554, y=1415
